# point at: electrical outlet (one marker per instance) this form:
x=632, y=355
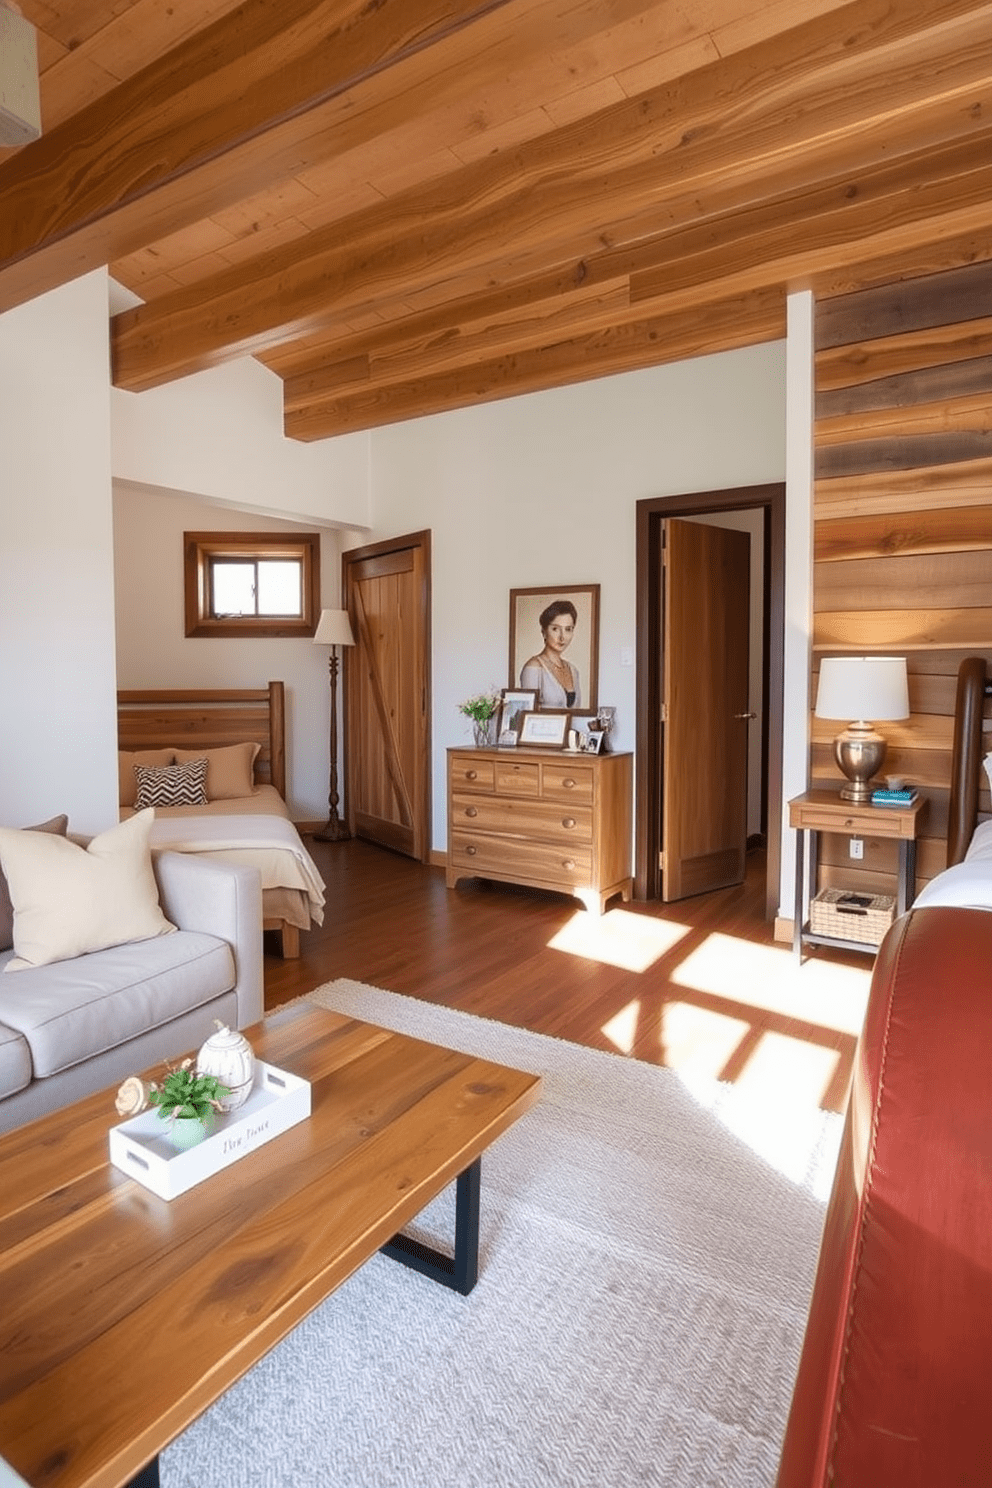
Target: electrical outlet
x=856, y=847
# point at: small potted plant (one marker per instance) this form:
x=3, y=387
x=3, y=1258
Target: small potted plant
x=482, y=709
x=189, y=1101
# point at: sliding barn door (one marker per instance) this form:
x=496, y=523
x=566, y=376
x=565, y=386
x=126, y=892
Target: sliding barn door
x=706, y=630
x=387, y=694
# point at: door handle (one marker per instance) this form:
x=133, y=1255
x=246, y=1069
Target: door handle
x=745, y=715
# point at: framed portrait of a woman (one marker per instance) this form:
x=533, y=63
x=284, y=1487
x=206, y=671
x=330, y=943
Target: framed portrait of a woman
x=554, y=645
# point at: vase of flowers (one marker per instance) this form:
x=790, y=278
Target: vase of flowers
x=482, y=709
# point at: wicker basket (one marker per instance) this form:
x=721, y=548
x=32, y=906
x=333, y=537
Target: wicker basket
x=851, y=916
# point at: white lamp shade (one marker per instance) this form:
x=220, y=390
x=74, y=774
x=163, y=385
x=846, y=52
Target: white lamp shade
x=863, y=688
x=334, y=629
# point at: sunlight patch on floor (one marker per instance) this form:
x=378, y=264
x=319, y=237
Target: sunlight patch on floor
x=619, y=938
x=769, y=977
x=696, y=1041
x=797, y=1139
x=797, y=1071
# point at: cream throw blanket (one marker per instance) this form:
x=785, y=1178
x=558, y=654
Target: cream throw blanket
x=268, y=843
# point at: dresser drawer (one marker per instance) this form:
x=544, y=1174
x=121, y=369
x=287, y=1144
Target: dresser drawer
x=522, y=818
x=470, y=774
x=518, y=777
x=565, y=781
x=513, y=859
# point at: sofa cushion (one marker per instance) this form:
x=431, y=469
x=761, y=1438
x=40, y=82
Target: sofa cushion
x=72, y=1010
x=15, y=1062
x=69, y=900
x=59, y=825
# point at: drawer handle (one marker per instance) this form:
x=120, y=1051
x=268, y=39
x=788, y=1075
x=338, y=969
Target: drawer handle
x=471, y=774
x=568, y=864
x=470, y=852
x=568, y=783
x=849, y=822
x=471, y=811
x=568, y=821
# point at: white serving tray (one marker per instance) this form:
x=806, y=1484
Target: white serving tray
x=142, y=1150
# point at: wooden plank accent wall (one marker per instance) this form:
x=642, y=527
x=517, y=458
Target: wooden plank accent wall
x=903, y=524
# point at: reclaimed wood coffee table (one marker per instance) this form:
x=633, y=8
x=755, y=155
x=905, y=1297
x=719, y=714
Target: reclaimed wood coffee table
x=123, y=1316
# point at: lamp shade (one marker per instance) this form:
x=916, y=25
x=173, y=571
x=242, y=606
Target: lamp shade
x=862, y=687
x=333, y=629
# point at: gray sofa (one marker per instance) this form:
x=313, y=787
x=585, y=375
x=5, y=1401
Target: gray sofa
x=73, y=1027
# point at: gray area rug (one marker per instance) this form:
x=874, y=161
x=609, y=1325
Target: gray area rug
x=647, y=1254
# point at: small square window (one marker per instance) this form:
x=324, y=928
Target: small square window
x=252, y=583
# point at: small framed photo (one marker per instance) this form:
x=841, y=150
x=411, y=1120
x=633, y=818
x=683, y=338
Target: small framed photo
x=508, y=738
x=544, y=730
x=514, y=703
x=594, y=741
x=582, y=723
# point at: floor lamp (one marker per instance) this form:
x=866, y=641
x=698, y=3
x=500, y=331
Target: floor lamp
x=334, y=630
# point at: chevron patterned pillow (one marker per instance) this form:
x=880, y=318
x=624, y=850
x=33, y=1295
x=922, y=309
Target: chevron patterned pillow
x=172, y=785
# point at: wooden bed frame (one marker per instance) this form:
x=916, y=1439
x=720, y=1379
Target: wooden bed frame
x=201, y=718
x=974, y=686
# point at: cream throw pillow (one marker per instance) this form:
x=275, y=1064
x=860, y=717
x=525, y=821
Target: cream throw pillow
x=59, y=824
x=69, y=900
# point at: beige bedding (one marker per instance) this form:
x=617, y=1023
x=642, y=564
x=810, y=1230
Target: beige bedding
x=254, y=831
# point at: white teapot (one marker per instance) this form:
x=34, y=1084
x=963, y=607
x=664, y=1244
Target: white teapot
x=229, y=1056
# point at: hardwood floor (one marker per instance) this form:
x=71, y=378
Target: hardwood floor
x=699, y=985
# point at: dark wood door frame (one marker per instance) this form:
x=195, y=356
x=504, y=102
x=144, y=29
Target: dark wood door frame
x=352, y=556
x=650, y=740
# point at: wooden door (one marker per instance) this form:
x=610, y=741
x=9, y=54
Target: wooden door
x=387, y=694
x=706, y=597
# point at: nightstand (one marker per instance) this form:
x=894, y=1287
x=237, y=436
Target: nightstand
x=823, y=811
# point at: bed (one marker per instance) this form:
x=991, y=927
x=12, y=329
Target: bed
x=967, y=880
x=241, y=732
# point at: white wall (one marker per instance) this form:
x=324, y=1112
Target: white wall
x=219, y=434
x=153, y=651
x=798, y=579
x=542, y=489
x=58, y=723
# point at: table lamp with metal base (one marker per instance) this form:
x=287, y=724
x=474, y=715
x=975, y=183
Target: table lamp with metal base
x=860, y=687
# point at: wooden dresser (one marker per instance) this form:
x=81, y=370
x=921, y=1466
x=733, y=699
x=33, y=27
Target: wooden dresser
x=547, y=819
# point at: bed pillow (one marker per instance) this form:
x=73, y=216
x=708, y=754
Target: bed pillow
x=126, y=761
x=230, y=770
x=171, y=785
x=58, y=825
x=69, y=900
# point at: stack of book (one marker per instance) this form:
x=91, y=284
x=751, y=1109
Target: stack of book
x=894, y=797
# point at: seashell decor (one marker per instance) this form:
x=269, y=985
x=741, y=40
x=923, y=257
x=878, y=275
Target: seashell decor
x=132, y=1097
x=230, y=1057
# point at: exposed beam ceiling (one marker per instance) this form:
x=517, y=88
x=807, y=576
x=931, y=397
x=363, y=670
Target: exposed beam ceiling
x=422, y=204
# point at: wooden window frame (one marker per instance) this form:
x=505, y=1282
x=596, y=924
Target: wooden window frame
x=199, y=548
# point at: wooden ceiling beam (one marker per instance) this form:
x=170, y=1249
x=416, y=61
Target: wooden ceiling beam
x=233, y=108
x=456, y=335
x=800, y=107
x=720, y=326
x=456, y=332
x=751, y=260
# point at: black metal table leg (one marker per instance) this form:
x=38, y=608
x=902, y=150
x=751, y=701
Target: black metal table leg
x=147, y=1477
x=461, y=1271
